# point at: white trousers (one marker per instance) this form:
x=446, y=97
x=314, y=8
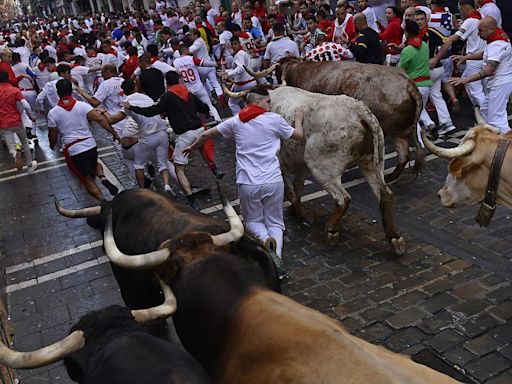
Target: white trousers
x=436, y=96
x=262, y=209
x=10, y=141
x=30, y=96
x=202, y=95
x=496, y=106
x=236, y=104
x=424, y=117
x=154, y=146
x=475, y=89
x=129, y=161
x=208, y=74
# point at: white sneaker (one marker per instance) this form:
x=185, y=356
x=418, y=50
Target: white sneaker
x=445, y=128
x=168, y=189
x=32, y=167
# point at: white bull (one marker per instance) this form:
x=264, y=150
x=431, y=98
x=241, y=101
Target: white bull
x=339, y=132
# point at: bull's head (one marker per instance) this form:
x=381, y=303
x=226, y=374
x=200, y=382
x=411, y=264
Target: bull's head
x=468, y=170
x=76, y=341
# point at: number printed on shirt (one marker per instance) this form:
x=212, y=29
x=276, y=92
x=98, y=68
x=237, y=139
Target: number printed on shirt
x=188, y=75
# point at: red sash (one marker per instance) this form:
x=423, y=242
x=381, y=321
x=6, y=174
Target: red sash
x=72, y=167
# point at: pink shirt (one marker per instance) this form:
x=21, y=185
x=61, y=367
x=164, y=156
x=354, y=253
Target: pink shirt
x=9, y=115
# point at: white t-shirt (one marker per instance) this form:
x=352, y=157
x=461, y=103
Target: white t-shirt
x=160, y=65
x=111, y=95
x=199, y=50
x=42, y=77
x=147, y=125
x=371, y=18
x=73, y=125
x=20, y=68
x=211, y=15
x=24, y=53
x=501, y=52
x=491, y=9
x=237, y=71
x=257, y=144
x=225, y=39
x=78, y=73
x=279, y=48
x=468, y=32
x=186, y=66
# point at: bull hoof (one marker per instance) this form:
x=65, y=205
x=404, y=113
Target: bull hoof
x=398, y=245
x=332, y=237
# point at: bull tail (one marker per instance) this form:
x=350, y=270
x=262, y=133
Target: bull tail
x=373, y=126
x=419, y=157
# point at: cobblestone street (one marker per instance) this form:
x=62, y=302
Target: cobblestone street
x=448, y=298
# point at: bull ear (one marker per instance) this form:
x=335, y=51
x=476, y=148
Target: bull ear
x=461, y=166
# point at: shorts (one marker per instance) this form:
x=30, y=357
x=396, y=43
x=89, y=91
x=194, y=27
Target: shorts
x=183, y=141
x=86, y=162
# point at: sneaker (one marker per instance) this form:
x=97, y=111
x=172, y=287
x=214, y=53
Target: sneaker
x=219, y=173
x=32, y=167
x=445, y=128
x=455, y=105
x=31, y=144
x=18, y=160
x=432, y=130
x=111, y=187
x=168, y=189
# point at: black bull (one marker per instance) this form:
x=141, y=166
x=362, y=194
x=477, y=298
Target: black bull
x=142, y=220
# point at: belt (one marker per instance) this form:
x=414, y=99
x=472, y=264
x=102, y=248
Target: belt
x=244, y=82
x=421, y=78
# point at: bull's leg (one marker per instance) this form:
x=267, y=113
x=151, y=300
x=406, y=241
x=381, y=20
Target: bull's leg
x=402, y=150
x=294, y=190
x=419, y=158
x=328, y=173
x=386, y=204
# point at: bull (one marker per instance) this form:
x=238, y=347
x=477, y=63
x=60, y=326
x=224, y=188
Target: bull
x=469, y=167
x=116, y=345
x=339, y=132
x=241, y=331
x=391, y=96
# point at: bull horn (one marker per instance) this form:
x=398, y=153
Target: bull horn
x=237, y=228
x=235, y=95
x=143, y=261
x=463, y=149
x=44, y=356
x=479, y=117
x=263, y=73
x=162, y=311
x=76, y=213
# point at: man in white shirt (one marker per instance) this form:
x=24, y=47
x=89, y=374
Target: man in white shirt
x=371, y=18
x=497, y=71
x=280, y=46
x=224, y=52
x=187, y=66
x=26, y=85
x=48, y=96
x=43, y=70
x=198, y=49
x=258, y=133
x=489, y=8
x=152, y=141
x=109, y=93
x=236, y=14
x=70, y=119
x=79, y=70
x=241, y=79
x=468, y=32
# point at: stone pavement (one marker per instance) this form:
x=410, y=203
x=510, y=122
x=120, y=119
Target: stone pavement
x=450, y=293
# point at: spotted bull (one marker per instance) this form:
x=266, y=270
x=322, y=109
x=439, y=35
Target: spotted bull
x=468, y=170
x=339, y=133
x=391, y=96
x=116, y=345
x=240, y=331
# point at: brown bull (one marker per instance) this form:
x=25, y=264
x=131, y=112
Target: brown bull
x=391, y=96
x=468, y=170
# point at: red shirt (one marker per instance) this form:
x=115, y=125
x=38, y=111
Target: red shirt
x=393, y=32
x=9, y=115
x=6, y=67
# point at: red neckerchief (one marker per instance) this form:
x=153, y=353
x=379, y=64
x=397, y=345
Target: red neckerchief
x=485, y=2
x=250, y=112
x=181, y=91
x=67, y=102
x=244, y=35
x=75, y=65
x=415, y=41
x=423, y=32
x=152, y=59
x=475, y=15
x=94, y=54
x=112, y=51
x=498, y=35
x=41, y=66
x=439, y=9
